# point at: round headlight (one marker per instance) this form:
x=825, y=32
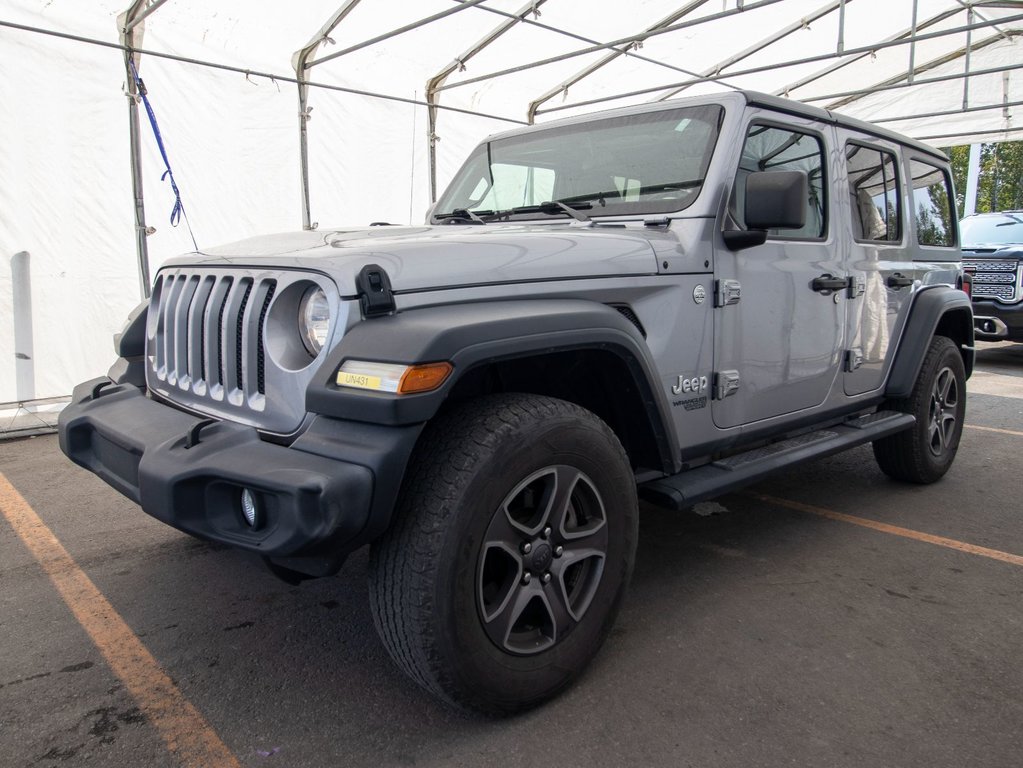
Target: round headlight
x=314, y=319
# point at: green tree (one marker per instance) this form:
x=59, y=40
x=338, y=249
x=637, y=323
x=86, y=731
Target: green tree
x=1000, y=184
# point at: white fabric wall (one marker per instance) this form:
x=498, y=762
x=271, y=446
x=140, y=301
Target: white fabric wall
x=63, y=198
x=65, y=187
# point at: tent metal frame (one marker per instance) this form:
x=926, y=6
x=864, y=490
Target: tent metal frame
x=131, y=25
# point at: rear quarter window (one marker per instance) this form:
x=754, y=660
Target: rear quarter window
x=932, y=204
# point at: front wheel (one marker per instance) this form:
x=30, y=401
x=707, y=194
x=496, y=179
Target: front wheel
x=925, y=452
x=510, y=553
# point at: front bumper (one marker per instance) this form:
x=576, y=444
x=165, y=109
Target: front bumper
x=327, y=493
x=993, y=321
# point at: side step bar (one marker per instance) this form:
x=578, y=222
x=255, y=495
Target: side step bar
x=691, y=486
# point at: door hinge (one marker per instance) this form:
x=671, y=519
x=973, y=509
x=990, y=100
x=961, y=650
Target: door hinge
x=853, y=359
x=727, y=292
x=725, y=383
x=374, y=289
x=857, y=286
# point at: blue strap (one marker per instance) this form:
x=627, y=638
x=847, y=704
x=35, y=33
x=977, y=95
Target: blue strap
x=179, y=209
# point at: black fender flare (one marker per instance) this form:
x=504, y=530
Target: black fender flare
x=938, y=306
x=474, y=334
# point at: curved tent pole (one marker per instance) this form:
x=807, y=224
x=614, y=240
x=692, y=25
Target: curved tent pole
x=435, y=82
x=131, y=28
x=765, y=43
x=300, y=62
x=595, y=47
x=614, y=54
x=907, y=79
x=794, y=62
x=852, y=59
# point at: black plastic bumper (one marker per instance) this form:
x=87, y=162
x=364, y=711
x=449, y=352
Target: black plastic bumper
x=993, y=321
x=327, y=493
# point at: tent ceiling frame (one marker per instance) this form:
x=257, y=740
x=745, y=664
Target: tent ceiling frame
x=903, y=84
x=764, y=43
x=945, y=113
x=936, y=19
x=629, y=49
x=582, y=74
x=612, y=45
x=464, y=6
x=1007, y=134
x=909, y=78
x=790, y=63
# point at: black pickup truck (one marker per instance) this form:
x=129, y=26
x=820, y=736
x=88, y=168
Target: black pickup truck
x=993, y=252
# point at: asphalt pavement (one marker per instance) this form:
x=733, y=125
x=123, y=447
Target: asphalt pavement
x=828, y=617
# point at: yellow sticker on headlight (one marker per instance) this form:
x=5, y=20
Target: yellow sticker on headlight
x=358, y=380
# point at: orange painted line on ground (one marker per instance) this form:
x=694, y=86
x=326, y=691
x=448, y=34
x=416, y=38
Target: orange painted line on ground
x=908, y=533
x=994, y=429
x=183, y=728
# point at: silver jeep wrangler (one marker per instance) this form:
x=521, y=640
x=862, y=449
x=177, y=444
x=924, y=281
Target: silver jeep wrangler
x=667, y=302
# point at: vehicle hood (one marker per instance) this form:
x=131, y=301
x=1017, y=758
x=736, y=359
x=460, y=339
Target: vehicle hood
x=433, y=257
x=992, y=247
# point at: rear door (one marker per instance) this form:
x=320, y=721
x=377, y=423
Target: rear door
x=880, y=260
x=778, y=348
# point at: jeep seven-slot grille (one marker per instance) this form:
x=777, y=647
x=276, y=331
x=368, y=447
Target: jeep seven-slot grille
x=995, y=279
x=207, y=326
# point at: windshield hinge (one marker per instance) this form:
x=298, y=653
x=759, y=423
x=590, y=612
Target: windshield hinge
x=374, y=288
x=727, y=292
x=662, y=221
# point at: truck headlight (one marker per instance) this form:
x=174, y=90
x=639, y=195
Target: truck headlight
x=314, y=319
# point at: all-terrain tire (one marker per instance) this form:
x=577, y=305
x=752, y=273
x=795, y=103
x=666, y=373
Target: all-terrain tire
x=924, y=453
x=510, y=552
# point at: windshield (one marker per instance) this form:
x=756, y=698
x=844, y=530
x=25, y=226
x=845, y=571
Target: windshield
x=654, y=162
x=1002, y=229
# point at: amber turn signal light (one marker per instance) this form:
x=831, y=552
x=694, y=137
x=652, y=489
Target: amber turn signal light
x=424, y=378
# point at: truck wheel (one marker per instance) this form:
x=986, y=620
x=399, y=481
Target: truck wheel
x=510, y=552
x=924, y=453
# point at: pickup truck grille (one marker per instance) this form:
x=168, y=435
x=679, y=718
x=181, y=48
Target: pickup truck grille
x=206, y=343
x=995, y=279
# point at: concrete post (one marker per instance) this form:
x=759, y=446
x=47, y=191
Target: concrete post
x=24, y=355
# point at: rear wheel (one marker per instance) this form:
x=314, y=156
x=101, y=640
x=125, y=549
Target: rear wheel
x=924, y=453
x=510, y=554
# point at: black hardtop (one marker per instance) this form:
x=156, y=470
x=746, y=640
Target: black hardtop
x=790, y=106
x=752, y=98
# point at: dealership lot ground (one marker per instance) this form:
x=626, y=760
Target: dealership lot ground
x=781, y=626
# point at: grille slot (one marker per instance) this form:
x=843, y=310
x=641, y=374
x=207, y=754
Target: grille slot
x=995, y=279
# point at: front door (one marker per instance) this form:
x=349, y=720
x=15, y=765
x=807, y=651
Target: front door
x=778, y=348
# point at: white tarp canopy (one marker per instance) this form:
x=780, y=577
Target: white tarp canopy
x=222, y=80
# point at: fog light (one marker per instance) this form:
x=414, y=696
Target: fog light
x=250, y=509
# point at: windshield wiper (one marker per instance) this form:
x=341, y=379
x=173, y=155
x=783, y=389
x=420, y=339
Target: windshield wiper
x=551, y=208
x=463, y=214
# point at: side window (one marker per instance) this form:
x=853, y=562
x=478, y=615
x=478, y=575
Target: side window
x=932, y=204
x=769, y=148
x=873, y=193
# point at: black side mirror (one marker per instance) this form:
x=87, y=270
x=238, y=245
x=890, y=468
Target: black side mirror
x=774, y=200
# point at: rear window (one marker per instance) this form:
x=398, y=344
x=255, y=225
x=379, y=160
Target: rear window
x=932, y=204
